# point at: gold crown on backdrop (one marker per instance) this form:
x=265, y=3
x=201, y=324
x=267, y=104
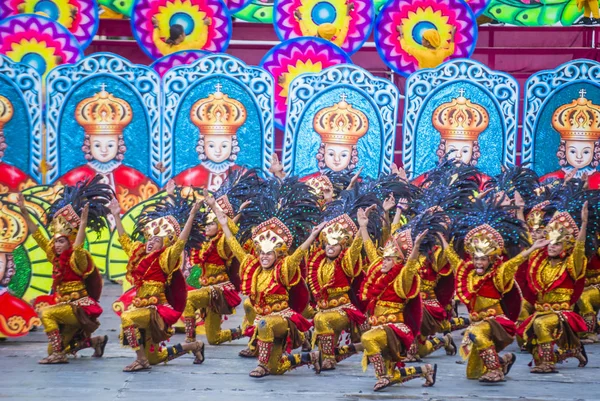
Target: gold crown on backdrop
x=6, y=111
x=13, y=229
x=460, y=119
x=218, y=114
x=103, y=114
x=578, y=120
x=341, y=124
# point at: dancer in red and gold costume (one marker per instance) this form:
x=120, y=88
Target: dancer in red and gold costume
x=13, y=179
x=391, y=289
x=485, y=284
x=556, y=275
x=104, y=117
x=17, y=317
x=279, y=217
x=218, y=118
x=220, y=277
x=159, y=292
x=333, y=267
x=73, y=314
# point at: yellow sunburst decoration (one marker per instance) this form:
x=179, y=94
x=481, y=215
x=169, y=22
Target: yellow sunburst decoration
x=301, y=67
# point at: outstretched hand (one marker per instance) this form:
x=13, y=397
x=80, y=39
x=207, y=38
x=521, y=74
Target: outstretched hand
x=354, y=178
x=276, y=167
x=317, y=230
x=114, y=207
x=389, y=203
x=209, y=199
x=584, y=213
x=420, y=238
x=539, y=244
x=85, y=212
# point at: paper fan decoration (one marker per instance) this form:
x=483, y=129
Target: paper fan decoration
x=164, y=64
x=294, y=57
x=478, y=6
x=257, y=11
x=416, y=17
x=38, y=41
x=348, y=23
x=206, y=24
x=80, y=17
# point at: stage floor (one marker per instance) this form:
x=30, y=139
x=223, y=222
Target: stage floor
x=224, y=375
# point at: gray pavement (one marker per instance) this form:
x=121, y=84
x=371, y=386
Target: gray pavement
x=224, y=375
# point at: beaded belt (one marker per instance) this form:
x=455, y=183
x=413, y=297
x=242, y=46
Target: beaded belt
x=563, y=306
x=276, y=307
x=141, y=302
x=477, y=316
x=73, y=296
x=391, y=318
x=218, y=279
x=334, y=303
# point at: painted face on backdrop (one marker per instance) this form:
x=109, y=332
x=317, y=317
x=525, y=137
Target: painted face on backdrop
x=337, y=157
x=217, y=148
x=104, y=148
x=460, y=150
x=3, y=264
x=579, y=154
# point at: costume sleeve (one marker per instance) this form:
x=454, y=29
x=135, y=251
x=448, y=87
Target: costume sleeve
x=405, y=280
x=505, y=276
x=399, y=224
x=171, y=257
x=237, y=249
x=222, y=246
x=440, y=260
x=577, y=262
x=453, y=258
x=371, y=251
x=352, y=257
x=290, y=268
x=43, y=243
x=81, y=262
x=162, y=47
x=128, y=244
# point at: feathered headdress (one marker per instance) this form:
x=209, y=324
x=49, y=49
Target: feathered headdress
x=516, y=178
x=238, y=187
x=341, y=217
x=387, y=184
x=167, y=217
x=401, y=244
x=281, y=215
x=488, y=229
x=66, y=210
x=450, y=187
x=565, y=203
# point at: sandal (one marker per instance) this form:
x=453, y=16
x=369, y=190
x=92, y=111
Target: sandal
x=492, y=376
x=259, y=371
x=430, y=376
x=99, y=348
x=543, y=369
x=137, y=366
x=450, y=346
x=199, y=353
x=382, y=383
x=316, y=359
x=508, y=362
x=54, y=358
x=247, y=353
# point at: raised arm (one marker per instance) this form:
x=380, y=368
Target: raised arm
x=520, y=204
x=80, y=238
x=370, y=248
x=577, y=258
x=239, y=213
x=312, y=237
x=31, y=226
x=187, y=229
x=115, y=210
x=237, y=250
x=450, y=255
x=405, y=280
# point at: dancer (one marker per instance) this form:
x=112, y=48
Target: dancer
x=220, y=280
x=485, y=284
x=556, y=275
x=154, y=271
x=280, y=216
x=391, y=289
x=332, y=269
x=72, y=317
